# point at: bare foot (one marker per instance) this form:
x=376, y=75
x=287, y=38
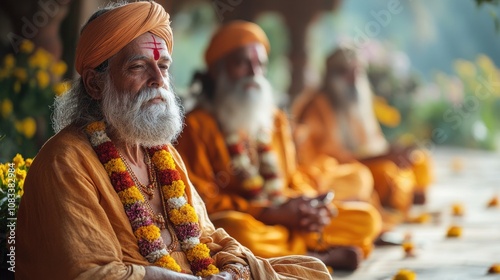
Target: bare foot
x=340, y=257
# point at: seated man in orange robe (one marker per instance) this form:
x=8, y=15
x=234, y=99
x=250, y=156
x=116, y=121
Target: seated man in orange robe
x=108, y=196
x=339, y=121
x=240, y=156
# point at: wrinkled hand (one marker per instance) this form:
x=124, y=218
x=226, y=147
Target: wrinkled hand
x=300, y=214
x=314, y=218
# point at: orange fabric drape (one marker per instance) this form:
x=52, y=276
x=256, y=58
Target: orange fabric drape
x=207, y=159
x=317, y=135
x=72, y=225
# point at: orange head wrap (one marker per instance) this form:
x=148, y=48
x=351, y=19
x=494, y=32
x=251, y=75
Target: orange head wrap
x=232, y=36
x=107, y=34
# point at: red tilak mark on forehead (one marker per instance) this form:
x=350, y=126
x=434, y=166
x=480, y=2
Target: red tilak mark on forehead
x=155, y=48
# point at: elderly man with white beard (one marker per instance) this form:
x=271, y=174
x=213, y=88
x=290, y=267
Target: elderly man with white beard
x=338, y=120
x=108, y=196
x=240, y=156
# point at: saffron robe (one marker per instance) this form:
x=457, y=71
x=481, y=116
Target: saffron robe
x=203, y=148
x=318, y=134
x=72, y=225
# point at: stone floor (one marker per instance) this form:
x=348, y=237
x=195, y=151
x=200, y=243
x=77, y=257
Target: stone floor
x=470, y=178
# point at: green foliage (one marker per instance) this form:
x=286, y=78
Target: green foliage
x=493, y=13
x=29, y=80
x=462, y=108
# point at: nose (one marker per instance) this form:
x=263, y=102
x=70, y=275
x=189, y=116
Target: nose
x=255, y=69
x=156, y=78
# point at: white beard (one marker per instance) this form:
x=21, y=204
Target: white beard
x=344, y=93
x=137, y=121
x=246, y=105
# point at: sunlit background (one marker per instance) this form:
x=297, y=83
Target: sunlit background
x=435, y=62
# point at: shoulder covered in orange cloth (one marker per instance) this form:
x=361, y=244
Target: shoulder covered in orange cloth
x=71, y=223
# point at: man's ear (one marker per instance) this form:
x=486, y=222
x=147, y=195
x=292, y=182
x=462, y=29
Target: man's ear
x=92, y=83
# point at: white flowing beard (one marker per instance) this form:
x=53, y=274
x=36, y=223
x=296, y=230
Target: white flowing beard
x=137, y=120
x=246, y=104
x=344, y=92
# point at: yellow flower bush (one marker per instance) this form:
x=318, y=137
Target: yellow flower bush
x=29, y=81
x=12, y=176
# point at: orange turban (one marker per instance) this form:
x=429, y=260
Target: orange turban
x=106, y=35
x=232, y=36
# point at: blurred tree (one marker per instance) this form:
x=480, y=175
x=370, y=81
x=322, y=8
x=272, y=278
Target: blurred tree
x=493, y=13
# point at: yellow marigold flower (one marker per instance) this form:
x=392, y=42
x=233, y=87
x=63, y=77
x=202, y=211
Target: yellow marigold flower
x=20, y=174
x=130, y=196
x=6, y=107
x=454, y=231
x=175, y=190
x=20, y=183
x=18, y=160
x=4, y=167
x=465, y=68
x=149, y=233
x=4, y=73
x=59, y=68
x=26, y=46
x=185, y=214
x=163, y=160
x=20, y=74
x=95, y=126
x=60, y=88
x=9, y=61
x=40, y=59
x=408, y=247
x=27, y=127
x=199, y=251
x=28, y=162
x=17, y=86
x=420, y=219
x=386, y=114
x=42, y=78
x=493, y=202
x=210, y=270
x=168, y=262
x=405, y=274
x=115, y=165
x=253, y=183
x=485, y=63
x=457, y=209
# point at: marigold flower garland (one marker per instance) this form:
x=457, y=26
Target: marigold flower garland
x=182, y=215
x=262, y=184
